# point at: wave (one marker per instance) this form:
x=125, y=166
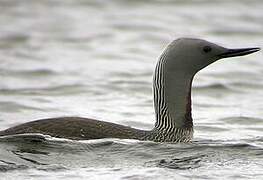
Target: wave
x=40, y=151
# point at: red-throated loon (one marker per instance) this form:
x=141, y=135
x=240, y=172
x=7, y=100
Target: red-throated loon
x=172, y=82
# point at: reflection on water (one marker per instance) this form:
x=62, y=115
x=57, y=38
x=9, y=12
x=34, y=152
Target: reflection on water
x=96, y=58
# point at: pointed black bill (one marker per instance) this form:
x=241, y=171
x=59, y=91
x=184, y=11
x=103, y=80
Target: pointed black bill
x=238, y=52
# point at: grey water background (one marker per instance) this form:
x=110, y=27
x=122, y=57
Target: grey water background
x=96, y=59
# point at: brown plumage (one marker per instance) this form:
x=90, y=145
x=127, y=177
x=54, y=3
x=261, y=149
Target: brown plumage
x=76, y=128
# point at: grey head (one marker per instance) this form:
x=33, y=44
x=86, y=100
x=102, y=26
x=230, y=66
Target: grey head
x=191, y=55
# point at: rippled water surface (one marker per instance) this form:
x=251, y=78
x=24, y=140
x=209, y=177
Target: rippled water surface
x=96, y=59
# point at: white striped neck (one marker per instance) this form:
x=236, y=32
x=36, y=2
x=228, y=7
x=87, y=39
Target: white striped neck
x=172, y=96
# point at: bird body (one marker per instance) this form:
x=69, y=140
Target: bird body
x=76, y=128
x=172, y=82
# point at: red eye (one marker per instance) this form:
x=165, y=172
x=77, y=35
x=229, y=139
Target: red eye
x=207, y=49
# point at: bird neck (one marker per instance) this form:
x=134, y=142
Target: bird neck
x=172, y=97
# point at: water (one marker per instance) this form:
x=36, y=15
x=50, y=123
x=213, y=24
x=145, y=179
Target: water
x=96, y=59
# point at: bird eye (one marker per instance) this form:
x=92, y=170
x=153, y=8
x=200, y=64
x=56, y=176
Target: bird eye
x=207, y=49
